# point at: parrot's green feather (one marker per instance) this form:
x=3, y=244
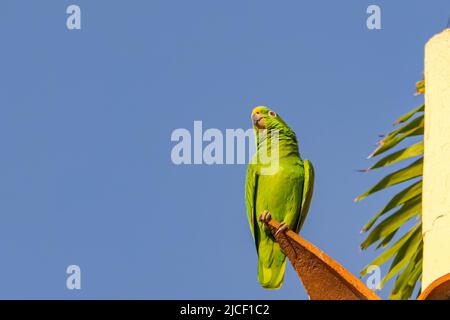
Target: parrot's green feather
x=308, y=190
x=250, y=200
x=285, y=193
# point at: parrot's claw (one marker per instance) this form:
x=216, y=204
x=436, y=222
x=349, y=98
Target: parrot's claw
x=265, y=217
x=282, y=228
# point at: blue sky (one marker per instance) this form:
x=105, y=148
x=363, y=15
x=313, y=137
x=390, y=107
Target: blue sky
x=86, y=118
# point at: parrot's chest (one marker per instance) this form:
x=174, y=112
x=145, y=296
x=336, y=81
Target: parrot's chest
x=285, y=173
x=280, y=191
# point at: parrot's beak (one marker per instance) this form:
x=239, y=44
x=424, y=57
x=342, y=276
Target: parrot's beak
x=258, y=121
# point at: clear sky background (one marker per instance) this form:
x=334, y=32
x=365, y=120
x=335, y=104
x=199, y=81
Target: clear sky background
x=86, y=117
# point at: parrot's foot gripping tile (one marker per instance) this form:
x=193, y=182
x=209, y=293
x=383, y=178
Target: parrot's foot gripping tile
x=265, y=217
x=283, y=228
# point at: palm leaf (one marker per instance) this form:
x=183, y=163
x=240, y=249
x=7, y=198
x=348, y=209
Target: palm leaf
x=412, y=171
x=394, y=221
x=390, y=252
x=420, y=87
x=410, y=152
x=413, y=124
x=391, y=143
x=405, y=283
x=402, y=197
x=410, y=114
x=387, y=240
x=406, y=253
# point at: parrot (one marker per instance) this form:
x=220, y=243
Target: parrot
x=284, y=194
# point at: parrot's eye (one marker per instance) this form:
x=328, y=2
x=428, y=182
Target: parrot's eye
x=272, y=114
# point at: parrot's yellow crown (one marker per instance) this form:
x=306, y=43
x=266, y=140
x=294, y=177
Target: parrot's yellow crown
x=259, y=109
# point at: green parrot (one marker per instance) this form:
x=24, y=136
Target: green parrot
x=280, y=187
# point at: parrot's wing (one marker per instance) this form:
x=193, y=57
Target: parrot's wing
x=251, y=184
x=308, y=188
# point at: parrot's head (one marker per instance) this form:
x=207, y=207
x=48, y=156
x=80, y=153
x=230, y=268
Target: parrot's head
x=265, y=118
x=266, y=121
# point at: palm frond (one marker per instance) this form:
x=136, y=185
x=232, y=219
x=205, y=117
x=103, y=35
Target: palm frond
x=406, y=253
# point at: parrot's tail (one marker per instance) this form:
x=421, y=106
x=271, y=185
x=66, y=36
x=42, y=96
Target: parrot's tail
x=271, y=268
